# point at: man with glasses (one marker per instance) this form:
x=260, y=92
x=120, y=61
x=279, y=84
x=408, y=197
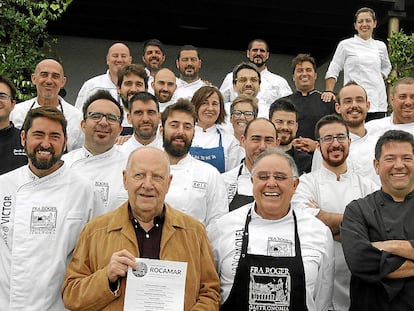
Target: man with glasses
x=12, y=153
x=272, y=87
x=259, y=134
x=326, y=192
x=99, y=160
x=284, y=116
x=269, y=255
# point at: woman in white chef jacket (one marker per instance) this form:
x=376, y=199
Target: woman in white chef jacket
x=210, y=144
x=363, y=60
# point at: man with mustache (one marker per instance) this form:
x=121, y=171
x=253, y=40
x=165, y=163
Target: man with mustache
x=144, y=116
x=353, y=106
x=197, y=188
x=44, y=208
x=132, y=79
x=284, y=116
x=153, y=57
x=118, y=56
x=188, y=64
x=326, y=192
x=272, y=87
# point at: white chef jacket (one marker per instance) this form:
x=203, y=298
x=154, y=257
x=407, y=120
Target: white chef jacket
x=72, y=115
x=363, y=61
x=41, y=221
x=272, y=87
x=241, y=184
x=132, y=143
x=105, y=171
x=333, y=196
x=316, y=247
x=186, y=90
x=360, y=159
x=101, y=82
x=197, y=189
x=210, y=139
x=379, y=126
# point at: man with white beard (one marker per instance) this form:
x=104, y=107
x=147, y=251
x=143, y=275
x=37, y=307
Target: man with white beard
x=327, y=191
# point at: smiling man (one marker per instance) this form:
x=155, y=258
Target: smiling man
x=325, y=193
x=98, y=159
x=264, y=250
x=378, y=231
x=44, y=208
x=49, y=78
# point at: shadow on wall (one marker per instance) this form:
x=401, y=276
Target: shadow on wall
x=84, y=58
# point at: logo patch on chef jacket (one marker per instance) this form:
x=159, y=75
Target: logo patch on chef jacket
x=102, y=188
x=277, y=247
x=43, y=221
x=269, y=288
x=200, y=185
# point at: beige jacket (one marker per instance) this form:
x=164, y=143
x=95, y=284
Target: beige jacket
x=183, y=239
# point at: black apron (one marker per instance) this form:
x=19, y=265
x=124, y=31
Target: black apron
x=240, y=200
x=267, y=283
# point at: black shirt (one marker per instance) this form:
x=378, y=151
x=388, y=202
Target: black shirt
x=12, y=154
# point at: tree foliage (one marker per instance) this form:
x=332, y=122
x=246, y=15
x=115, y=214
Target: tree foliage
x=401, y=53
x=24, y=39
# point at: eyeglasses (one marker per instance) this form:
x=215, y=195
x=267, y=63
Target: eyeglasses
x=281, y=122
x=4, y=97
x=244, y=80
x=328, y=139
x=246, y=114
x=110, y=118
x=265, y=176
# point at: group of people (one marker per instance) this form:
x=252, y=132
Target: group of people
x=275, y=200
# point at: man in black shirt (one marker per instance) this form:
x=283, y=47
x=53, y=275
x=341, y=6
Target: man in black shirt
x=12, y=153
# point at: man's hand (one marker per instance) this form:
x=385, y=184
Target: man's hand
x=118, y=265
x=120, y=140
x=304, y=144
x=400, y=248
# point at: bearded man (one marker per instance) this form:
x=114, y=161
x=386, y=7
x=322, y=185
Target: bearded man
x=197, y=188
x=326, y=192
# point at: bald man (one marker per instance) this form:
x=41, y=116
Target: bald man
x=164, y=86
x=117, y=57
x=49, y=78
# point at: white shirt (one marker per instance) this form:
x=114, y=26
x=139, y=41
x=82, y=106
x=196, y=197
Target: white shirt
x=332, y=196
x=132, y=143
x=365, y=62
x=101, y=82
x=197, y=189
x=360, y=159
x=241, y=184
x=315, y=243
x=186, y=90
x=272, y=87
x=72, y=115
x=210, y=139
x=104, y=170
x=379, y=126
x=41, y=221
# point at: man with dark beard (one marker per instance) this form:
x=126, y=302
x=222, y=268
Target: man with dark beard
x=144, y=115
x=44, y=208
x=197, y=188
x=272, y=85
x=326, y=192
x=188, y=64
x=353, y=106
x=153, y=56
x=284, y=116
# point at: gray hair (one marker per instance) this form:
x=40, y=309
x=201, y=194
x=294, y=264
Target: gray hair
x=279, y=152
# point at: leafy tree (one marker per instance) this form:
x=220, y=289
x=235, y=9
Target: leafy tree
x=24, y=39
x=401, y=53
